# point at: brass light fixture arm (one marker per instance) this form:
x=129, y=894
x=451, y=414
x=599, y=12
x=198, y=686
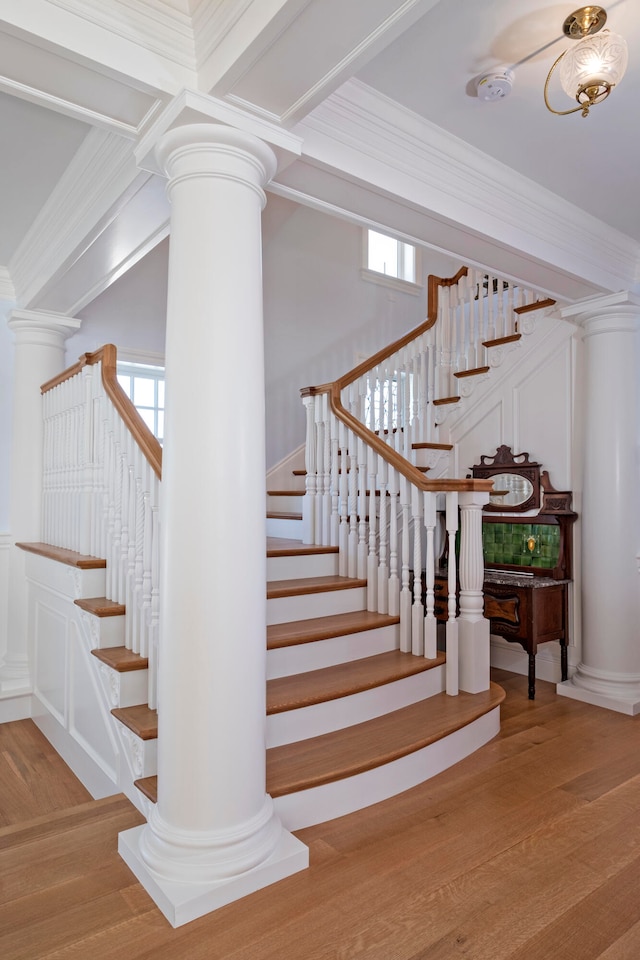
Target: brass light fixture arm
x=562, y=113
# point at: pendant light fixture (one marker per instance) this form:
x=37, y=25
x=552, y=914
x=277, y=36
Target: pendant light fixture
x=589, y=70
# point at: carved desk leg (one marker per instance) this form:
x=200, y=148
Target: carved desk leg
x=532, y=676
x=563, y=660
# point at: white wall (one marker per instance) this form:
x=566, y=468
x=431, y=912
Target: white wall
x=131, y=313
x=321, y=317
x=319, y=314
x=6, y=406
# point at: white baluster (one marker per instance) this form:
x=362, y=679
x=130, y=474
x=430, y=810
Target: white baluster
x=343, y=481
x=372, y=560
x=394, y=581
x=362, y=510
x=383, y=568
x=417, y=611
x=510, y=315
x=334, y=537
x=452, y=623
x=319, y=468
x=430, y=623
x=326, y=478
x=353, y=504
x=405, y=593
x=309, y=500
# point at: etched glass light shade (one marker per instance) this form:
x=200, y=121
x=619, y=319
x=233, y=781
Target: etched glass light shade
x=589, y=69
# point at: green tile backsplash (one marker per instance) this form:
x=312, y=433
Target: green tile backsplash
x=506, y=543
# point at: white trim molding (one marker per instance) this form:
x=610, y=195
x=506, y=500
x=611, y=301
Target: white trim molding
x=370, y=138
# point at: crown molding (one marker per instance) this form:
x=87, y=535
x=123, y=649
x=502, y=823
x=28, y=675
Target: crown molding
x=7, y=291
x=159, y=26
x=99, y=175
x=366, y=135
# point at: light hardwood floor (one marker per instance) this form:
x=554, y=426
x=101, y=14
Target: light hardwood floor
x=528, y=850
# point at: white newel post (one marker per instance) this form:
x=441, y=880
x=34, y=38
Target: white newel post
x=39, y=356
x=608, y=674
x=473, y=629
x=213, y=836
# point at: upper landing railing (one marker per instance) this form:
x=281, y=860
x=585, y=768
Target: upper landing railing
x=101, y=490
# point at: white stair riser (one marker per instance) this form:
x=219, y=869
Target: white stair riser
x=331, y=800
x=125, y=689
x=301, y=657
x=302, y=565
x=310, y=605
x=288, y=529
x=290, y=504
x=320, y=718
x=110, y=632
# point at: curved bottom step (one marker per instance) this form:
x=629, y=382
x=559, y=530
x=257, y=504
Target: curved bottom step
x=329, y=776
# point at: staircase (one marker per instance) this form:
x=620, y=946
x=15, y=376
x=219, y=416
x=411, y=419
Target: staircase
x=362, y=701
x=351, y=720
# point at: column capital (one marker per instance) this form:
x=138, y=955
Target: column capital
x=191, y=108
x=611, y=311
x=201, y=150
x=41, y=327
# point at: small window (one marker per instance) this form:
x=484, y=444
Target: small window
x=391, y=262
x=144, y=385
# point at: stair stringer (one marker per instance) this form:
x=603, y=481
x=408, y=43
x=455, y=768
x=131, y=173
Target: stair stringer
x=505, y=354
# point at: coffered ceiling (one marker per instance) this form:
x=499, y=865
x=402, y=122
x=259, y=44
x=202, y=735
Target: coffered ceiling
x=97, y=73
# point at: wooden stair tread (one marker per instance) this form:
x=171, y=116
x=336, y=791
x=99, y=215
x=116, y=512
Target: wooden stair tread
x=344, y=679
x=70, y=557
x=444, y=400
x=301, y=586
x=121, y=659
x=149, y=787
x=281, y=547
x=500, y=340
x=536, y=305
x=364, y=746
x=472, y=373
x=299, y=473
x=282, y=515
x=286, y=493
x=139, y=719
x=101, y=607
x=323, y=628
x=432, y=446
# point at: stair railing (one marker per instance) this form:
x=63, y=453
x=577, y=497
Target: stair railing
x=363, y=492
x=101, y=490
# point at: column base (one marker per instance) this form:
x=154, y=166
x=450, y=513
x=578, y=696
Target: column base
x=182, y=902
x=474, y=655
x=613, y=692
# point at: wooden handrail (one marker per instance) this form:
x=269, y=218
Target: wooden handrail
x=433, y=284
x=134, y=422
x=392, y=457
x=395, y=459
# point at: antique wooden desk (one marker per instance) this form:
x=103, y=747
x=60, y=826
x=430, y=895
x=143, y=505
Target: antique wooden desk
x=527, y=558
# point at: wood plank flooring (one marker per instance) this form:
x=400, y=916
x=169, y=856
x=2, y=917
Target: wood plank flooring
x=528, y=850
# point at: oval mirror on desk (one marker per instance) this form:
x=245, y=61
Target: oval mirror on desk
x=510, y=490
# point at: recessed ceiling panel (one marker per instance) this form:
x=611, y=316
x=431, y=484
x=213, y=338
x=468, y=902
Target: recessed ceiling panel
x=37, y=146
x=310, y=48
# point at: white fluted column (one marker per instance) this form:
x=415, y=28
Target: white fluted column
x=38, y=356
x=473, y=629
x=213, y=835
x=608, y=674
